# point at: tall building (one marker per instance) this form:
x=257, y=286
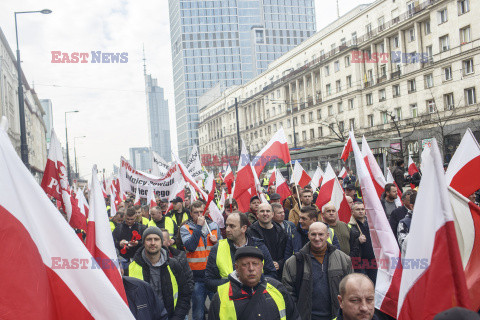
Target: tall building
x=47, y=117
x=228, y=42
x=158, y=118
x=140, y=158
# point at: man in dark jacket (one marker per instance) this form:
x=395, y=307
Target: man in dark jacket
x=287, y=226
x=399, y=174
x=122, y=235
x=357, y=298
x=250, y=295
x=252, y=214
x=142, y=300
x=153, y=265
x=272, y=234
x=312, y=276
x=220, y=260
x=361, y=250
x=400, y=213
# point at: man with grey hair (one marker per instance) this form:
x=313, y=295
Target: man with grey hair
x=312, y=276
x=356, y=298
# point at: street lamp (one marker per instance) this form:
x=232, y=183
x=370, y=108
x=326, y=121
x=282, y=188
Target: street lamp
x=75, y=152
x=21, y=104
x=66, y=140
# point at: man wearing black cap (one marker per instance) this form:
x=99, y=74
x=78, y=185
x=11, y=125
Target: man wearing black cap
x=249, y=295
x=178, y=212
x=166, y=275
x=163, y=204
x=350, y=191
x=252, y=214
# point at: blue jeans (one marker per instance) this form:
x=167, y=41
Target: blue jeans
x=199, y=296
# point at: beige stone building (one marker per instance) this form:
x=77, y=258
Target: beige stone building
x=399, y=72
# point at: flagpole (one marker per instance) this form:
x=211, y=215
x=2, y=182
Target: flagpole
x=296, y=187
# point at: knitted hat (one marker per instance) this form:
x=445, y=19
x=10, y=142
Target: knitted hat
x=152, y=230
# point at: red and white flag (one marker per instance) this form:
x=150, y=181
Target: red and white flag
x=52, y=277
x=373, y=168
x=343, y=173
x=152, y=202
x=271, y=181
x=346, y=150
x=390, y=179
x=412, y=168
x=281, y=186
x=82, y=202
x=384, y=244
x=317, y=178
x=55, y=184
x=245, y=186
x=331, y=191
x=435, y=280
x=300, y=176
x=463, y=172
x=113, y=207
x=467, y=227
x=99, y=239
x=137, y=200
x=229, y=179
x=276, y=148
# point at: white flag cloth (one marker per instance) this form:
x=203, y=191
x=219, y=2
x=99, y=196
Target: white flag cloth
x=160, y=167
x=317, y=178
x=194, y=165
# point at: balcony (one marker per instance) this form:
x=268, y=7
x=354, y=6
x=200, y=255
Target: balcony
x=396, y=74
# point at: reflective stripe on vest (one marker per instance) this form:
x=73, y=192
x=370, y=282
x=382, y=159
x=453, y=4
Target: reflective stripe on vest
x=169, y=225
x=136, y=271
x=198, y=259
x=184, y=218
x=112, y=226
x=332, y=234
x=224, y=258
x=227, y=306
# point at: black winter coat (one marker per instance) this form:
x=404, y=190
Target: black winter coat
x=397, y=215
x=184, y=288
x=399, y=177
x=278, y=252
x=143, y=301
x=124, y=232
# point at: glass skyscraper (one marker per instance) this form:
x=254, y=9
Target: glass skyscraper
x=228, y=42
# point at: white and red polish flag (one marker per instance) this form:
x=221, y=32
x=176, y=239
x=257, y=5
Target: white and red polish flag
x=412, y=168
x=435, y=280
x=271, y=180
x=346, y=150
x=343, y=173
x=53, y=275
x=390, y=179
x=113, y=207
x=82, y=202
x=317, y=178
x=55, y=184
x=300, y=176
x=229, y=179
x=221, y=202
x=276, y=148
x=152, y=203
x=331, y=191
x=463, y=172
x=384, y=243
x=467, y=227
x=137, y=200
x=99, y=239
x=245, y=187
x=373, y=168
x=281, y=186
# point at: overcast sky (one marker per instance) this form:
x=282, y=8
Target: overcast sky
x=110, y=97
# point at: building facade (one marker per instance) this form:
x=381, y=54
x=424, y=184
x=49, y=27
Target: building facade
x=140, y=159
x=228, y=42
x=48, y=117
x=158, y=118
x=399, y=72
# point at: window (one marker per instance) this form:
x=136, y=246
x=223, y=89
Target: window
x=341, y=126
x=338, y=84
x=398, y=114
x=384, y=117
x=444, y=43
x=319, y=114
x=467, y=66
x=278, y=93
x=369, y=98
x=351, y=124
x=381, y=23
x=426, y=27
x=320, y=131
x=447, y=71
x=448, y=101
x=347, y=61
x=340, y=107
x=442, y=16
x=370, y=121
x=410, y=8
x=395, y=42
x=428, y=79
x=295, y=122
x=336, y=66
x=302, y=118
x=354, y=38
x=304, y=135
x=429, y=52
x=350, y=104
x=327, y=70
x=259, y=36
x=431, y=106
x=330, y=110
x=328, y=89
x=312, y=134
x=411, y=86
x=382, y=95
x=383, y=70
x=411, y=34
x=349, y=81
x=396, y=90
x=465, y=35
x=414, y=110
x=310, y=116
x=470, y=97
x=368, y=29
x=463, y=6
